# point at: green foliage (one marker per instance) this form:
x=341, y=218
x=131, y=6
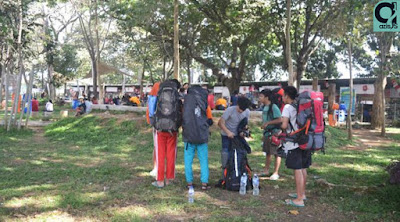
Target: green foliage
x=66, y=64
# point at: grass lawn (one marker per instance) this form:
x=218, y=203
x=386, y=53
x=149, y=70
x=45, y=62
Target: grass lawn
x=97, y=169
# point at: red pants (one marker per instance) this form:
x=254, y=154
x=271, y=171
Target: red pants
x=166, y=149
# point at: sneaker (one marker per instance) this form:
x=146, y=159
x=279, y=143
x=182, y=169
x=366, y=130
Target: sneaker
x=153, y=173
x=274, y=177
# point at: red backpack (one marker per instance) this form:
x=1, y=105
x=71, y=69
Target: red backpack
x=310, y=119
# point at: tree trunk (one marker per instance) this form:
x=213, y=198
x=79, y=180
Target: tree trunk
x=6, y=92
x=288, y=48
x=123, y=84
x=350, y=129
x=14, y=112
x=2, y=82
x=51, y=93
x=164, y=68
x=300, y=70
x=141, y=82
x=331, y=98
x=385, y=41
x=24, y=101
x=176, y=39
x=315, y=84
x=188, y=64
x=29, y=92
x=94, y=77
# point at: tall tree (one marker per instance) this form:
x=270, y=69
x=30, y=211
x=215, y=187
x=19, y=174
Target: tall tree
x=176, y=39
x=311, y=19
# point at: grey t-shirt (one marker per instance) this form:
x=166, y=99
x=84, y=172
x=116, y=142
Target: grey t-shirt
x=290, y=112
x=232, y=119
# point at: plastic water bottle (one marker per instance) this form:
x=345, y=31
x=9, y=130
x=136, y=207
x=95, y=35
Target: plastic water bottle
x=256, y=185
x=191, y=194
x=243, y=184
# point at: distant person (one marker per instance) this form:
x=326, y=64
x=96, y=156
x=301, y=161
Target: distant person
x=75, y=102
x=116, y=101
x=35, y=105
x=367, y=116
x=95, y=100
x=234, y=98
x=182, y=92
x=49, y=106
x=210, y=100
x=81, y=108
x=88, y=105
x=185, y=87
x=221, y=104
x=135, y=101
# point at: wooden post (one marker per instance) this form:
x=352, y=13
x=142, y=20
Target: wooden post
x=350, y=132
x=315, y=84
x=176, y=39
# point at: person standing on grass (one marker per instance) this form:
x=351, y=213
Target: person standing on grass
x=229, y=123
x=271, y=117
x=168, y=119
x=297, y=159
x=151, y=109
x=197, y=118
x=35, y=105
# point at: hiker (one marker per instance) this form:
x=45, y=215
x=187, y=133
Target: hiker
x=297, y=159
x=197, y=118
x=271, y=118
x=168, y=119
x=221, y=104
x=151, y=109
x=49, y=106
x=229, y=123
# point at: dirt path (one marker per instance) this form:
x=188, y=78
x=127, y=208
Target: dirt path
x=369, y=138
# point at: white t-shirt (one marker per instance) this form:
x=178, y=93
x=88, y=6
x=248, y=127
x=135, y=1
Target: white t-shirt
x=49, y=107
x=290, y=112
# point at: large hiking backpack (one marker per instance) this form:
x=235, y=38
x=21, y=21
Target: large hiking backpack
x=168, y=115
x=236, y=166
x=310, y=119
x=195, y=126
x=278, y=98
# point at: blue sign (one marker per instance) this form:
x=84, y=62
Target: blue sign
x=345, y=97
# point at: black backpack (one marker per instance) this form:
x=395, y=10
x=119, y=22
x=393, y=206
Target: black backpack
x=168, y=115
x=237, y=165
x=195, y=126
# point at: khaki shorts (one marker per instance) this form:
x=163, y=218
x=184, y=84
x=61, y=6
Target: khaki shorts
x=268, y=147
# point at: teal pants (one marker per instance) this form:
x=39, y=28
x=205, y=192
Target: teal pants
x=202, y=154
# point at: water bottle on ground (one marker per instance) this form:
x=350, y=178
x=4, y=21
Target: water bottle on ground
x=256, y=185
x=191, y=194
x=243, y=184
